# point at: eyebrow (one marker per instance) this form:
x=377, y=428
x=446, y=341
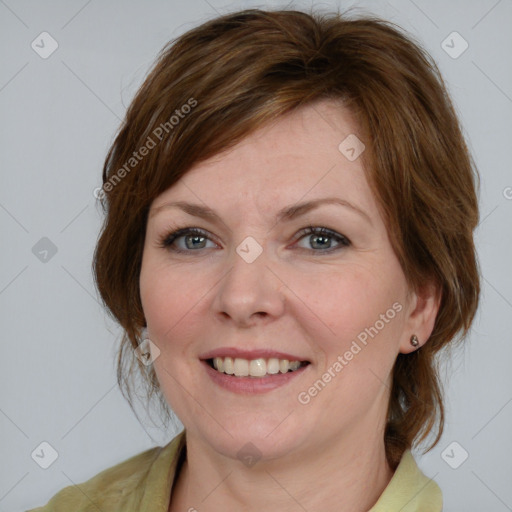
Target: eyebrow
x=286, y=214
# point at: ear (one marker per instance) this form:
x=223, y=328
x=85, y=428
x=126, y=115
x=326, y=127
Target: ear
x=421, y=316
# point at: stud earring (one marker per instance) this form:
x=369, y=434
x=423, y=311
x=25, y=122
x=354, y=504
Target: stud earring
x=414, y=340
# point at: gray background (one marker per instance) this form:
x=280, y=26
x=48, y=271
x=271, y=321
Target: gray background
x=59, y=116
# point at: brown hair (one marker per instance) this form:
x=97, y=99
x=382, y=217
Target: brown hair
x=239, y=71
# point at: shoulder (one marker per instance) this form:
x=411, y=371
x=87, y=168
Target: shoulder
x=119, y=487
x=409, y=490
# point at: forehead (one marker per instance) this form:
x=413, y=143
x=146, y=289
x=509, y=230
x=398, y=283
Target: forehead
x=295, y=158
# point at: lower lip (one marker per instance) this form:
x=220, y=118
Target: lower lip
x=252, y=385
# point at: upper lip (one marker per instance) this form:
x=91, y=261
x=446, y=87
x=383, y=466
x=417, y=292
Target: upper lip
x=249, y=354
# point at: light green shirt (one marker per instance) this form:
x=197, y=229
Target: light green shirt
x=143, y=483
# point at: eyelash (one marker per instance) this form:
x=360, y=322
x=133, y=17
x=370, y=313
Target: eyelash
x=166, y=241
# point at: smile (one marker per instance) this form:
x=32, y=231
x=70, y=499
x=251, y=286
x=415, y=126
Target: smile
x=256, y=368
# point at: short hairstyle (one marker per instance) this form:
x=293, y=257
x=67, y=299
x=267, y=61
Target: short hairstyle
x=219, y=82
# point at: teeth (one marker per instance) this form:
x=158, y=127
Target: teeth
x=219, y=364
x=228, y=365
x=257, y=368
x=254, y=367
x=273, y=366
x=241, y=367
x=294, y=365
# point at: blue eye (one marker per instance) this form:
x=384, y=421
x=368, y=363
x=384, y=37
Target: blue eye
x=195, y=239
x=322, y=238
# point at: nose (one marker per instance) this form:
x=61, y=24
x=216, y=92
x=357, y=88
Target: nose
x=250, y=292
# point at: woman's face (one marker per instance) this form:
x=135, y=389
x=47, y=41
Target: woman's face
x=253, y=284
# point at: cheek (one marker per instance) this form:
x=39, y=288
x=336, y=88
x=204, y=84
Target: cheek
x=169, y=298
x=361, y=312
x=365, y=315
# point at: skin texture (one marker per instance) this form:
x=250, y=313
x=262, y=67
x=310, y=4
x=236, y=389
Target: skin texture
x=299, y=296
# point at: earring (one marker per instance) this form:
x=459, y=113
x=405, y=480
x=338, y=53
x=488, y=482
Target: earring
x=414, y=340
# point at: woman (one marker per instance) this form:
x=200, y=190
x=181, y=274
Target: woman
x=288, y=245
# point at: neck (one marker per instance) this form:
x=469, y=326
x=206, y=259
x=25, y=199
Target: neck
x=339, y=475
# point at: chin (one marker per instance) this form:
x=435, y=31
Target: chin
x=253, y=436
